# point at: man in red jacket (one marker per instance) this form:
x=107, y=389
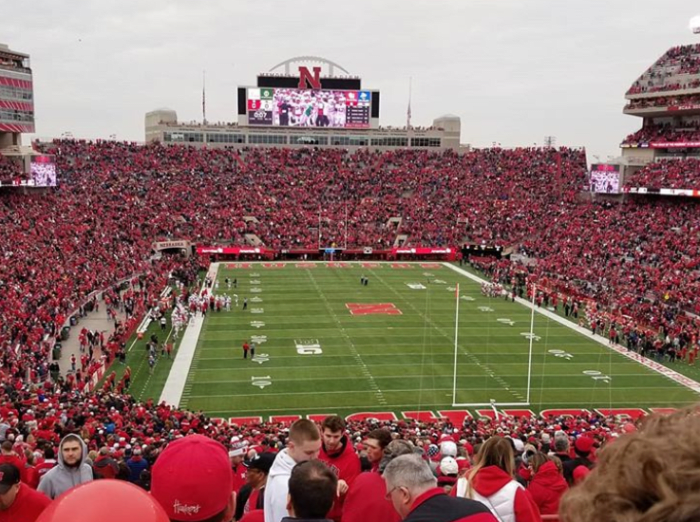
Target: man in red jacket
x=338, y=453
x=366, y=501
x=18, y=502
x=412, y=489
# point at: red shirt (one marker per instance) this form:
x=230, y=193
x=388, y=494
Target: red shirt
x=366, y=500
x=346, y=466
x=257, y=515
x=239, y=473
x=27, y=506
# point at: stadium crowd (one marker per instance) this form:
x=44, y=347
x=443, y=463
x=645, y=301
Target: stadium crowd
x=664, y=133
x=676, y=174
x=684, y=100
x=628, y=267
x=517, y=468
x=634, y=261
x=680, y=60
x=121, y=438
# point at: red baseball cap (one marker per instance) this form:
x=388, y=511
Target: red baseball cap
x=192, y=479
x=584, y=444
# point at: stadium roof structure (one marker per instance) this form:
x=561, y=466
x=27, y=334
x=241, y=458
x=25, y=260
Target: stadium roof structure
x=309, y=59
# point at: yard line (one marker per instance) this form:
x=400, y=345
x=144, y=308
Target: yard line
x=365, y=371
x=441, y=405
x=620, y=351
x=413, y=390
x=441, y=331
x=354, y=378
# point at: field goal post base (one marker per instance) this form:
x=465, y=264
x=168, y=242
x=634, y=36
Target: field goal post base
x=489, y=404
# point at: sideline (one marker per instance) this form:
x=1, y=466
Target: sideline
x=175, y=384
x=652, y=365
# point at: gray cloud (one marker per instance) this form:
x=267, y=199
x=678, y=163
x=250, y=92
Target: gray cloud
x=514, y=71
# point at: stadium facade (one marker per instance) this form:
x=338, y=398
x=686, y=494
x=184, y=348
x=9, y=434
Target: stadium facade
x=302, y=106
x=667, y=99
x=16, y=96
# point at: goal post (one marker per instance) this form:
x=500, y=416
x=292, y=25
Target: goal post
x=493, y=403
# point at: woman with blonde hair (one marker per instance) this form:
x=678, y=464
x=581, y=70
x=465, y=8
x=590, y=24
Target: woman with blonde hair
x=547, y=485
x=491, y=482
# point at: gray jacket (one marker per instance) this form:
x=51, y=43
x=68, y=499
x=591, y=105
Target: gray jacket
x=62, y=478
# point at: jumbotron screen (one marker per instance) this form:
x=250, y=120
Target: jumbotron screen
x=605, y=178
x=308, y=108
x=43, y=172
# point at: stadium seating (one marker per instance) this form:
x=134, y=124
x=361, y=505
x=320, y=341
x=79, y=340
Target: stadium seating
x=666, y=74
x=632, y=259
x=664, y=101
x=676, y=174
x=664, y=134
x=630, y=264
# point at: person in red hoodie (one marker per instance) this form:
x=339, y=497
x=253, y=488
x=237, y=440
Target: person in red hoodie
x=338, y=453
x=366, y=499
x=491, y=482
x=547, y=485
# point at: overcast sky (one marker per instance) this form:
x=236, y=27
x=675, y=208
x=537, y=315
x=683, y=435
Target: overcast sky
x=514, y=71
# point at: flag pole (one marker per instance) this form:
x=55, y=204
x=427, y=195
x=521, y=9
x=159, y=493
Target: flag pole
x=454, y=377
x=204, y=97
x=408, y=111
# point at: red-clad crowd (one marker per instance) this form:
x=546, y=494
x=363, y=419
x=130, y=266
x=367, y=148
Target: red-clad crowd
x=298, y=198
x=10, y=170
x=664, y=133
x=123, y=438
x=671, y=173
x=684, y=100
x=634, y=260
x=680, y=60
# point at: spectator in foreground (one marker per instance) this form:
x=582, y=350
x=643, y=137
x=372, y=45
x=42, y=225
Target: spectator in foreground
x=18, y=501
x=579, y=466
x=376, y=441
x=547, y=485
x=412, y=489
x=312, y=490
x=192, y=480
x=304, y=444
x=71, y=470
x=652, y=475
x=258, y=470
x=366, y=501
x=339, y=454
x=491, y=482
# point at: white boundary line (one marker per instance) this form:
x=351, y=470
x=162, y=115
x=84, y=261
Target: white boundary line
x=648, y=363
x=180, y=370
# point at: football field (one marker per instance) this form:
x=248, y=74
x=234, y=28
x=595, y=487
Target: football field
x=325, y=343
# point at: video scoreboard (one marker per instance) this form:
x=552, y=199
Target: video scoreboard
x=288, y=107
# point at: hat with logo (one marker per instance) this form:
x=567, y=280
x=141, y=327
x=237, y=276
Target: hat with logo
x=262, y=462
x=448, y=466
x=9, y=476
x=237, y=449
x=192, y=479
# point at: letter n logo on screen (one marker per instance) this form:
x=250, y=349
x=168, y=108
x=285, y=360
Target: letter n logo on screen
x=305, y=77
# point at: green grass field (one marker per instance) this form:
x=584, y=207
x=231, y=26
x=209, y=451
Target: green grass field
x=314, y=356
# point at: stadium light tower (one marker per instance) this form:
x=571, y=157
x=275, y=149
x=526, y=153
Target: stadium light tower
x=695, y=24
